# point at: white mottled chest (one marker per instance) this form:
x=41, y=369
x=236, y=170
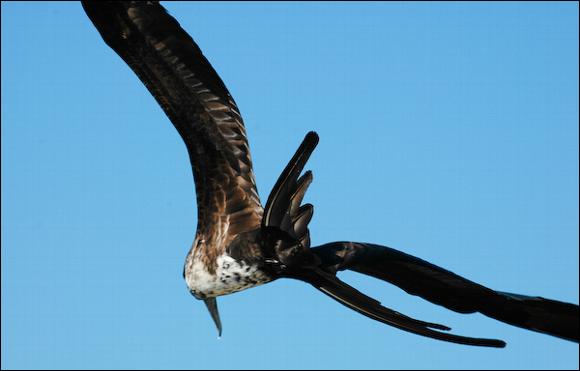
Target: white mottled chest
x=230, y=276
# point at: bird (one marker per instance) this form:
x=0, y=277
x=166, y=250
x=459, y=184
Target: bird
x=239, y=243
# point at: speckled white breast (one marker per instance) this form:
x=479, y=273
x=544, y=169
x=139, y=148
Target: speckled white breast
x=230, y=276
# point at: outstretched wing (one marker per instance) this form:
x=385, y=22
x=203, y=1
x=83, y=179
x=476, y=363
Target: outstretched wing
x=442, y=287
x=195, y=99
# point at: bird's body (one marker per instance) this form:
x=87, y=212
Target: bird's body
x=230, y=275
x=239, y=243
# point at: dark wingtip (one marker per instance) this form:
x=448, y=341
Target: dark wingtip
x=312, y=137
x=278, y=200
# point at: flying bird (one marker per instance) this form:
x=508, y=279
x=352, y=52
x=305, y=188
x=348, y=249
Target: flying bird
x=240, y=244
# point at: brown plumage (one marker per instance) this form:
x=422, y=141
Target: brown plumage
x=195, y=99
x=239, y=244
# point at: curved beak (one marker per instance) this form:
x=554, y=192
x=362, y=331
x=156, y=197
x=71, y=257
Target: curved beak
x=211, y=305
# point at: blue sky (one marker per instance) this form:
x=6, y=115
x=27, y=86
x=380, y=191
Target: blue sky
x=448, y=131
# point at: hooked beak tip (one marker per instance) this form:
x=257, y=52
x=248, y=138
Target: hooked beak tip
x=212, y=307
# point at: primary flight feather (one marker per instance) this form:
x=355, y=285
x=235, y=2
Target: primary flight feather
x=240, y=244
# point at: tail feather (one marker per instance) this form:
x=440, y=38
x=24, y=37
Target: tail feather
x=442, y=287
x=355, y=300
x=535, y=313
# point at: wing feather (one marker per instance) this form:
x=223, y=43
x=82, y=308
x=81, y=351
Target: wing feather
x=173, y=68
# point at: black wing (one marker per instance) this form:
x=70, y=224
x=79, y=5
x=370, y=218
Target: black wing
x=195, y=99
x=284, y=209
x=284, y=212
x=442, y=287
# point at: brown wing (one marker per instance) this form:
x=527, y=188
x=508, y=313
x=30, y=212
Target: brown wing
x=195, y=99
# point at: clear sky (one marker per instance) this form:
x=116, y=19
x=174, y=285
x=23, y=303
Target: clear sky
x=448, y=130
